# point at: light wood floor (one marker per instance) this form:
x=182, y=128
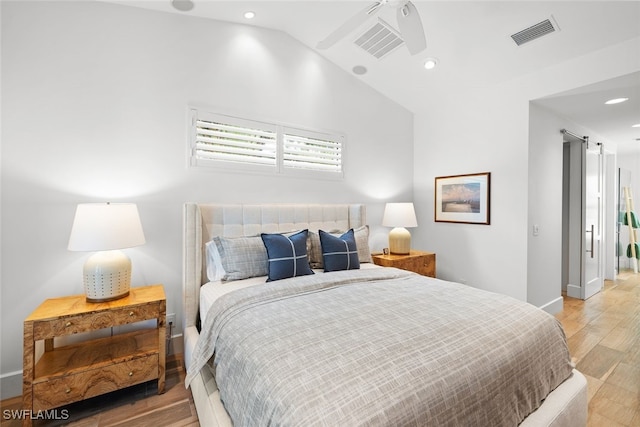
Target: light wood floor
x=604, y=339
x=137, y=406
x=603, y=334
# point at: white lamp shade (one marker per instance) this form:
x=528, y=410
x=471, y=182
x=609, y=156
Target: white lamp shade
x=399, y=215
x=106, y=226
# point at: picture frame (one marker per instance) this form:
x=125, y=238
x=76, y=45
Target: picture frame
x=463, y=198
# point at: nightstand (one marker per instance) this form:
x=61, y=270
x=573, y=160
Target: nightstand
x=419, y=262
x=92, y=367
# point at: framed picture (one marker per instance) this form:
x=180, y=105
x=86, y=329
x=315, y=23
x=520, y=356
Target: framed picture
x=463, y=198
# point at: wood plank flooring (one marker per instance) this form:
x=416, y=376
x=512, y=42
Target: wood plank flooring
x=603, y=334
x=137, y=406
x=604, y=339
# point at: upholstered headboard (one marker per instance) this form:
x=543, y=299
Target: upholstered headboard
x=202, y=222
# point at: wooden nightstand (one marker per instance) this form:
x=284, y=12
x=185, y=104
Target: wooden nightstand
x=93, y=367
x=419, y=262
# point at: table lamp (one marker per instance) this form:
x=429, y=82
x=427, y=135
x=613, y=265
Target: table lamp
x=399, y=215
x=106, y=228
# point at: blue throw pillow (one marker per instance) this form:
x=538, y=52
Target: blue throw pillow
x=339, y=253
x=287, y=255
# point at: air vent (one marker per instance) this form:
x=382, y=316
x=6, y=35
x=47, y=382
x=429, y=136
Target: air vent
x=543, y=28
x=379, y=40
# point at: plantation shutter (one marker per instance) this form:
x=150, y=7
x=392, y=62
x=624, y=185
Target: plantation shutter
x=312, y=151
x=229, y=139
x=233, y=143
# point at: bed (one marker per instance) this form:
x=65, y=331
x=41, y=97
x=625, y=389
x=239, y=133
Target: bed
x=365, y=346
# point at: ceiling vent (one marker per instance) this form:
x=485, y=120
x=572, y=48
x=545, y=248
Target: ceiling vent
x=543, y=28
x=379, y=40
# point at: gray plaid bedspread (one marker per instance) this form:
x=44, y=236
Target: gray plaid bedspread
x=379, y=347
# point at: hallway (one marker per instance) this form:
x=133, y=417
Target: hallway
x=604, y=339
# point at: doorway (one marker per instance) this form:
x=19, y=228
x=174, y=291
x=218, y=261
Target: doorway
x=582, y=216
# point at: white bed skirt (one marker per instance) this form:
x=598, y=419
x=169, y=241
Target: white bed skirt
x=211, y=412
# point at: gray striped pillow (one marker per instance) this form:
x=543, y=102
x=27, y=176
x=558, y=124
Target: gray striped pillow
x=242, y=257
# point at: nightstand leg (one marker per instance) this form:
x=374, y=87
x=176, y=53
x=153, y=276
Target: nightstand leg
x=162, y=348
x=28, y=363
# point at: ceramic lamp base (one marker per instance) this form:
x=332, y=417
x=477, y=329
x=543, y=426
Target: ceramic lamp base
x=400, y=241
x=107, y=276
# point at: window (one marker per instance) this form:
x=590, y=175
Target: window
x=303, y=150
x=222, y=141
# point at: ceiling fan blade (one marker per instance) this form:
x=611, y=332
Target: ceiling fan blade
x=353, y=23
x=411, y=28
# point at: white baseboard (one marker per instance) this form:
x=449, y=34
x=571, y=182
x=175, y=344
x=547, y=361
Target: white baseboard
x=11, y=382
x=554, y=306
x=176, y=346
x=10, y=385
x=573, y=291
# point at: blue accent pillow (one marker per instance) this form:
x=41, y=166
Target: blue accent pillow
x=287, y=255
x=339, y=253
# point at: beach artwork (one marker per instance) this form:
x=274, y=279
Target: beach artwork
x=463, y=198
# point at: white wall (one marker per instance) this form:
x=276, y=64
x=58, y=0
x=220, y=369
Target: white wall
x=465, y=129
x=467, y=134
x=545, y=207
x=545, y=203
x=94, y=108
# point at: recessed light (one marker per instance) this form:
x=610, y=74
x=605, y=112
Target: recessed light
x=636, y=125
x=359, y=70
x=430, y=63
x=249, y=15
x=616, y=101
x=182, y=5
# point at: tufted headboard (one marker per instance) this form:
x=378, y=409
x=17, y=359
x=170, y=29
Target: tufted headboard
x=204, y=221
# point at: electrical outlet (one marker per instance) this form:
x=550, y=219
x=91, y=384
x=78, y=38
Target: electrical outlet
x=171, y=319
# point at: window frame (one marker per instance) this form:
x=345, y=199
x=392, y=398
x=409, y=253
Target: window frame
x=195, y=161
x=280, y=129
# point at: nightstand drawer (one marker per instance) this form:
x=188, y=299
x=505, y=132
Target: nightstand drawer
x=419, y=262
x=75, y=387
x=74, y=324
x=426, y=266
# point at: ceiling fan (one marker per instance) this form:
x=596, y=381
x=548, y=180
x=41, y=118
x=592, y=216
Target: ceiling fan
x=409, y=24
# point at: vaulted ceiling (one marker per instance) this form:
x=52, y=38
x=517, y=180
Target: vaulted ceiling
x=472, y=43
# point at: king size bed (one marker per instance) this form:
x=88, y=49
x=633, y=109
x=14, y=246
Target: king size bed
x=321, y=336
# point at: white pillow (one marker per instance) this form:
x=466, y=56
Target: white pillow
x=215, y=270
